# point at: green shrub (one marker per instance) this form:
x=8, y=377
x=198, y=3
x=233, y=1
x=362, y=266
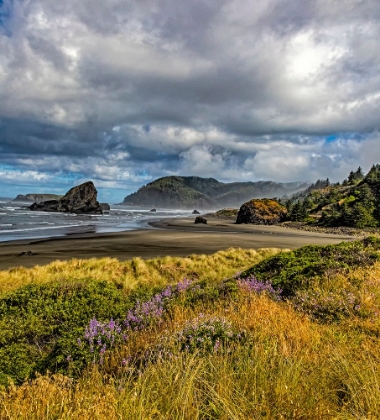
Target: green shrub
x=40, y=324
x=327, y=306
x=295, y=270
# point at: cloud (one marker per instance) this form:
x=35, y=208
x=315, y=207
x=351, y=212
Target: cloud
x=123, y=92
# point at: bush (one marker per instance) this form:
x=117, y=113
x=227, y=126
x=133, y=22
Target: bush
x=40, y=325
x=327, y=306
x=295, y=270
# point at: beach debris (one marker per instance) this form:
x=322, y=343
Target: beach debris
x=200, y=219
x=25, y=253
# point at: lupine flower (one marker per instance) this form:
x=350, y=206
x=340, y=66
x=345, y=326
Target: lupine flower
x=101, y=336
x=251, y=284
x=183, y=285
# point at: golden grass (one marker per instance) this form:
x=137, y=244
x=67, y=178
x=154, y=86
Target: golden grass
x=294, y=368
x=284, y=375
x=128, y=274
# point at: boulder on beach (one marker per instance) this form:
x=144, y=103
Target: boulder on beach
x=261, y=212
x=196, y=212
x=80, y=199
x=200, y=219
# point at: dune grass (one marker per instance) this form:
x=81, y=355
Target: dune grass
x=222, y=351
x=128, y=274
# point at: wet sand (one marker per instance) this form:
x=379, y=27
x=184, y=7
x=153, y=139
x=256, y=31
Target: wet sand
x=174, y=237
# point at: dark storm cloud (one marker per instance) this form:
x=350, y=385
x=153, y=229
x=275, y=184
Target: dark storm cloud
x=129, y=91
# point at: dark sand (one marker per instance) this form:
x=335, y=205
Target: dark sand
x=175, y=237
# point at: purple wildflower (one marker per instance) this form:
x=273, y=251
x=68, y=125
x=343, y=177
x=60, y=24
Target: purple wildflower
x=251, y=284
x=183, y=285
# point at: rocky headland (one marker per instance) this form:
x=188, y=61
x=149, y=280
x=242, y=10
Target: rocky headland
x=36, y=198
x=189, y=192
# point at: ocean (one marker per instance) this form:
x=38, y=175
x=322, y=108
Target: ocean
x=18, y=222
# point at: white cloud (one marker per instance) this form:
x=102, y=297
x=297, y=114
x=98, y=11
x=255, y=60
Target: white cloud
x=127, y=91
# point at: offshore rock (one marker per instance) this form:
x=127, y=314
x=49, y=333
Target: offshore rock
x=105, y=207
x=80, y=199
x=196, y=212
x=261, y=212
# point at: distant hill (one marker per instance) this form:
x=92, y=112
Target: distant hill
x=355, y=202
x=36, y=198
x=196, y=192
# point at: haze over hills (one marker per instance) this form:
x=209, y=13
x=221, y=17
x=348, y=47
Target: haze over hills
x=196, y=192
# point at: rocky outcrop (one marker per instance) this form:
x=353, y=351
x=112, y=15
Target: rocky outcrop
x=200, y=219
x=196, y=212
x=261, y=212
x=37, y=198
x=80, y=199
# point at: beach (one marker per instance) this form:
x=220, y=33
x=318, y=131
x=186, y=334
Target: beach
x=174, y=237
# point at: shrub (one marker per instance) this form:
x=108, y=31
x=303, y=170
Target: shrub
x=295, y=270
x=40, y=325
x=327, y=306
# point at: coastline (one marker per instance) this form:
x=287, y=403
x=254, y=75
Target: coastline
x=174, y=237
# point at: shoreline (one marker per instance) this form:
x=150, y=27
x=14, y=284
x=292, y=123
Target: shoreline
x=167, y=237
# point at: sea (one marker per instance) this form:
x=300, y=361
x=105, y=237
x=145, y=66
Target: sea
x=18, y=222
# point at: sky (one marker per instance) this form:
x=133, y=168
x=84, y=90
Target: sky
x=123, y=92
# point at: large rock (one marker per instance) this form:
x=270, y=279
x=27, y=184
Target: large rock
x=80, y=199
x=261, y=212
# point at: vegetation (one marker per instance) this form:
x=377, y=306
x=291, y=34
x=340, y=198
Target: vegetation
x=354, y=203
x=196, y=192
x=293, y=336
x=44, y=310
x=224, y=214
x=298, y=269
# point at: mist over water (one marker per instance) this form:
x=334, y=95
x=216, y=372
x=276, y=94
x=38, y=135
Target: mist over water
x=18, y=222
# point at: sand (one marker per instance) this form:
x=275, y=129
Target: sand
x=174, y=237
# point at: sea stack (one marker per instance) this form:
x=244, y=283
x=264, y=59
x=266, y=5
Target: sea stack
x=81, y=200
